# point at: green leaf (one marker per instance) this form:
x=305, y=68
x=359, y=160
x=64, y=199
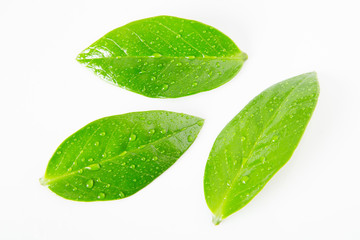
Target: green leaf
x=164, y=57
x=257, y=142
x=114, y=157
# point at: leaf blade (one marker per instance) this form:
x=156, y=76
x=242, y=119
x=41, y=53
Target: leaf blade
x=257, y=143
x=164, y=57
x=115, y=157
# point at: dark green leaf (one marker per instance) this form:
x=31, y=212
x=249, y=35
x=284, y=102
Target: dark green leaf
x=164, y=57
x=114, y=157
x=257, y=143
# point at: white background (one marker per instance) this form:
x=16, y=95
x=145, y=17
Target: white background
x=46, y=95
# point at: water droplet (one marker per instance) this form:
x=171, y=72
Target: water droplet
x=164, y=87
x=93, y=167
x=80, y=171
x=121, y=194
x=102, y=134
x=155, y=158
x=191, y=57
x=244, y=179
x=178, y=64
x=90, y=159
x=58, y=152
x=163, y=131
x=96, y=144
x=200, y=123
x=74, y=189
x=194, y=84
x=275, y=138
x=178, y=36
x=107, y=185
x=152, y=78
x=132, y=166
x=242, y=138
x=157, y=55
x=101, y=195
x=151, y=131
x=123, y=153
x=90, y=183
x=271, y=109
x=190, y=138
x=132, y=137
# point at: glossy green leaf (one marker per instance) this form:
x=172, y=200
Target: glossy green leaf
x=114, y=157
x=164, y=57
x=257, y=143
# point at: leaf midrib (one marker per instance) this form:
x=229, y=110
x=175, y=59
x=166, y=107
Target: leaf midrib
x=241, y=56
x=221, y=208
x=49, y=181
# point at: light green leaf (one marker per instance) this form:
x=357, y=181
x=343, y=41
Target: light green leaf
x=257, y=143
x=164, y=57
x=114, y=157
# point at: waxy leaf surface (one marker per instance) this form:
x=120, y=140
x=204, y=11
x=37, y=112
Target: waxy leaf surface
x=114, y=157
x=164, y=57
x=257, y=142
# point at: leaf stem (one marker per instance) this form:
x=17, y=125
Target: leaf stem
x=216, y=219
x=43, y=181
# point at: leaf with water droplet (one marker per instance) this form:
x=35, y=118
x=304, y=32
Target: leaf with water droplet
x=90, y=183
x=171, y=50
x=254, y=145
x=120, y=163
